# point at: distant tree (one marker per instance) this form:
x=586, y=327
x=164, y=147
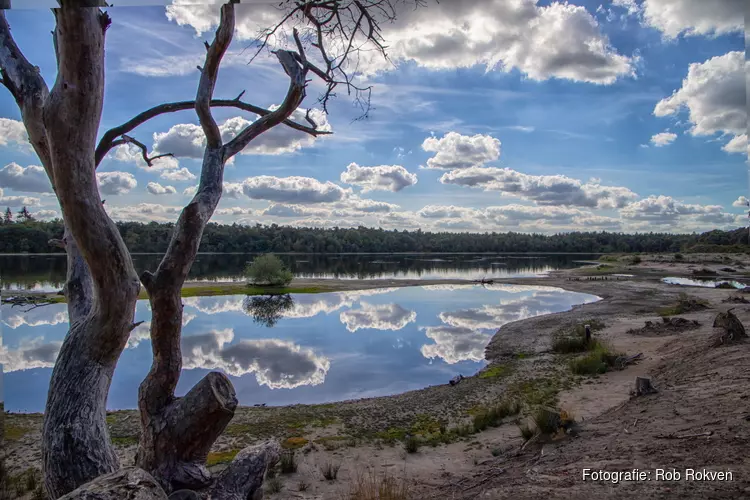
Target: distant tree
x=268, y=270
x=24, y=215
x=8, y=218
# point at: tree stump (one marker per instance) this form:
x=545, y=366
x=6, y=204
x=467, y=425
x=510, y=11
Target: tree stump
x=643, y=386
x=125, y=484
x=732, y=328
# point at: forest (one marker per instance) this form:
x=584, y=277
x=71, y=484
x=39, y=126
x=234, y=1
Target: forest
x=31, y=236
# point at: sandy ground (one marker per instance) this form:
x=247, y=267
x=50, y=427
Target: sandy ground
x=702, y=389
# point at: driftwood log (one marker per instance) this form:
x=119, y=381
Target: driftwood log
x=643, y=386
x=125, y=484
x=732, y=329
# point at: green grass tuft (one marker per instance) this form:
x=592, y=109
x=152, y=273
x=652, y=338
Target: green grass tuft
x=495, y=371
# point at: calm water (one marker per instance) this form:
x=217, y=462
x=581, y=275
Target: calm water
x=47, y=272
x=296, y=349
x=704, y=283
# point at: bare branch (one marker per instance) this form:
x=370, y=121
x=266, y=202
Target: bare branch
x=294, y=97
x=110, y=138
x=210, y=71
x=126, y=139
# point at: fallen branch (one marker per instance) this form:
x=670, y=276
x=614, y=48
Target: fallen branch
x=684, y=436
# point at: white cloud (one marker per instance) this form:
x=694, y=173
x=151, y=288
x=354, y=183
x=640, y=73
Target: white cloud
x=542, y=189
x=295, y=189
x=129, y=153
x=448, y=211
x=663, y=139
x=235, y=211
x=377, y=317
x=114, y=183
x=13, y=132
x=186, y=140
x=553, y=41
x=46, y=214
x=325, y=223
x=158, y=189
x=190, y=191
x=714, y=93
x=32, y=179
x=742, y=201
x=280, y=210
x=17, y=201
x=665, y=210
x=356, y=204
x=36, y=317
x=30, y=354
x=182, y=174
x=694, y=17
x=381, y=178
x=456, y=151
x=277, y=364
x=455, y=344
x=144, y=212
x=738, y=144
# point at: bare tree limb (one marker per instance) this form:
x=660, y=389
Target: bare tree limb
x=210, y=71
x=126, y=139
x=109, y=139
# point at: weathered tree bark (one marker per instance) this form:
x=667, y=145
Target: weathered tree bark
x=124, y=484
x=177, y=433
x=643, y=386
x=243, y=478
x=732, y=328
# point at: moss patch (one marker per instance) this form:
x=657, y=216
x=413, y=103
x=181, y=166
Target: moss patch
x=15, y=432
x=124, y=440
x=294, y=443
x=221, y=457
x=496, y=371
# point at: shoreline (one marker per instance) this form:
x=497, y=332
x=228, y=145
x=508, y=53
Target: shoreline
x=520, y=365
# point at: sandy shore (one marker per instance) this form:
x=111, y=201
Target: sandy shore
x=699, y=388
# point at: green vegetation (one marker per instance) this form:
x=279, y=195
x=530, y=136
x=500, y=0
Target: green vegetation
x=27, y=484
x=33, y=236
x=268, y=270
x=536, y=391
x=220, y=457
x=15, y=432
x=412, y=444
x=124, y=440
x=330, y=470
x=494, y=415
x=495, y=371
x=597, y=361
x=572, y=340
x=685, y=304
x=294, y=443
x=288, y=462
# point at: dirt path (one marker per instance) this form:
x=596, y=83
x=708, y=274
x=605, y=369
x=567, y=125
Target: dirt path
x=701, y=389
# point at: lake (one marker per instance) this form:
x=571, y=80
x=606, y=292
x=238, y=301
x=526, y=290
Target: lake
x=47, y=272
x=305, y=348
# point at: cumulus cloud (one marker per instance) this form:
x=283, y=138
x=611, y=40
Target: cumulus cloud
x=353, y=203
x=664, y=210
x=129, y=153
x=144, y=212
x=13, y=132
x=456, y=151
x=714, y=93
x=740, y=202
x=178, y=175
x=558, y=40
x=455, y=344
x=30, y=354
x=46, y=214
x=158, y=189
x=738, y=144
x=114, y=183
x=325, y=223
x=277, y=364
x=190, y=191
x=663, y=139
x=32, y=179
x=295, y=189
x=235, y=211
x=187, y=140
x=542, y=189
x=279, y=210
x=377, y=317
x=448, y=211
x=381, y=178
x=692, y=17
x=14, y=318
x=17, y=201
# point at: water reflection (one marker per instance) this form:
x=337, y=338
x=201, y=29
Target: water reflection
x=305, y=348
x=267, y=310
x=47, y=272
x=705, y=283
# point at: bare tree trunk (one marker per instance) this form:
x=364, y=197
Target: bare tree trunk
x=76, y=447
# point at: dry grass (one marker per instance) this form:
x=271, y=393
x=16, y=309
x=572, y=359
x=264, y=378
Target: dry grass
x=372, y=486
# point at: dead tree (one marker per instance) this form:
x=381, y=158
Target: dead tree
x=102, y=285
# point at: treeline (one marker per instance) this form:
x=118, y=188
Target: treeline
x=33, y=237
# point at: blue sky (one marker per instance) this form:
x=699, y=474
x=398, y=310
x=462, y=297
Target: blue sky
x=500, y=115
